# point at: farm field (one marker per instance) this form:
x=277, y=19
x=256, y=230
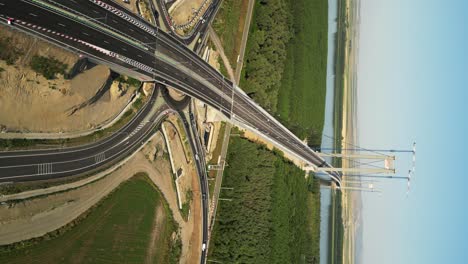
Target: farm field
x=132, y=225
x=286, y=62
x=301, y=97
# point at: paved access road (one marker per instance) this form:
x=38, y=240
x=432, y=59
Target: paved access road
x=56, y=163
x=172, y=63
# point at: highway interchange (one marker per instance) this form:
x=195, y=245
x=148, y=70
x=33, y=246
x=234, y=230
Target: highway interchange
x=105, y=32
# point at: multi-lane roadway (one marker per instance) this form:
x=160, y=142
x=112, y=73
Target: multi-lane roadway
x=52, y=164
x=163, y=58
x=105, y=32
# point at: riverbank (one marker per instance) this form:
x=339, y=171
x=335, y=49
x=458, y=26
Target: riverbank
x=351, y=200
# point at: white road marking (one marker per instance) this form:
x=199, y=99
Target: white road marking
x=85, y=33
x=100, y=157
x=44, y=168
x=61, y=24
x=33, y=14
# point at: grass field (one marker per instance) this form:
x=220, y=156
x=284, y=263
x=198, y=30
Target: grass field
x=120, y=229
x=336, y=222
x=229, y=24
x=272, y=212
x=340, y=48
x=336, y=232
x=219, y=145
x=286, y=62
x=301, y=98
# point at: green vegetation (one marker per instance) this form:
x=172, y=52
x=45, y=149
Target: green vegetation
x=301, y=99
x=48, y=67
x=1, y=69
x=129, y=80
x=337, y=229
x=340, y=49
x=9, y=52
x=186, y=205
x=138, y=103
x=285, y=67
x=229, y=25
x=117, y=230
x=222, y=67
x=274, y=214
x=219, y=145
x=336, y=222
x=183, y=136
x=266, y=52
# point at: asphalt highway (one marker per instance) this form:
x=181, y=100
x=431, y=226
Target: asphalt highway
x=52, y=164
x=174, y=64
x=190, y=129
x=200, y=27
x=113, y=35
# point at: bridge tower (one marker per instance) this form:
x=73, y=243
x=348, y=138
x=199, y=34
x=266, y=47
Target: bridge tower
x=365, y=167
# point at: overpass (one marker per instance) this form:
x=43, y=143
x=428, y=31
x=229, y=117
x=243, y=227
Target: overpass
x=130, y=45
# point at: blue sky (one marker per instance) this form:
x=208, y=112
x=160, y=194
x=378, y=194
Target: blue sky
x=413, y=86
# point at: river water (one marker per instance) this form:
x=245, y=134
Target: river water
x=327, y=141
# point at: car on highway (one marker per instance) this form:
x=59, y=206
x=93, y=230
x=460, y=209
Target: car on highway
x=203, y=247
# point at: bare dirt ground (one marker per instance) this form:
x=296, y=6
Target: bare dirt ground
x=35, y=217
x=184, y=11
x=181, y=161
x=213, y=60
x=144, y=7
x=132, y=5
x=176, y=95
x=31, y=103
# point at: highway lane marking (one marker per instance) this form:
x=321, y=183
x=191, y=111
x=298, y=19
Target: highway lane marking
x=81, y=149
x=100, y=157
x=106, y=42
x=159, y=117
x=2, y=4
x=44, y=169
x=70, y=161
x=60, y=24
x=33, y=14
x=85, y=33
x=283, y=136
